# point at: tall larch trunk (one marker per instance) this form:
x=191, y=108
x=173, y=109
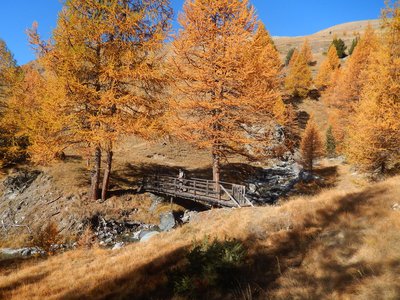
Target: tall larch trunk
x=95, y=175
x=106, y=178
x=216, y=168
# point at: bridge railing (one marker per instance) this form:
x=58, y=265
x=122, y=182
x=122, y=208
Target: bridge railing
x=222, y=191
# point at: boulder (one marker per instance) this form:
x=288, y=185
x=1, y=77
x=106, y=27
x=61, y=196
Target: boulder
x=148, y=235
x=167, y=221
x=8, y=253
x=188, y=216
x=156, y=201
x=118, y=246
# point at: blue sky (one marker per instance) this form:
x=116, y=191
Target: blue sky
x=282, y=17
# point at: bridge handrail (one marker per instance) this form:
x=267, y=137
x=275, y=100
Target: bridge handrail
x=198, y=188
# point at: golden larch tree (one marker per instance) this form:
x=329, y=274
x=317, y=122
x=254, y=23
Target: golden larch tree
x=339, y=129
x=327, y=68
x=299, y=80
x=353, y=77
x=36, y=112
x=11, y=147
x=311, y=146
x=107, y=53
x=225, y=73
x=9, y=71
x=306, y=51
x=374, y=132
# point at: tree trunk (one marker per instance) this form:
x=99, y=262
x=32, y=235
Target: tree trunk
x=95, y=175
x=106, y=178
x=216, y=170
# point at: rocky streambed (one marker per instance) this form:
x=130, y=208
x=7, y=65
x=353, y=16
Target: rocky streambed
x=28, y=197
x=271, y=183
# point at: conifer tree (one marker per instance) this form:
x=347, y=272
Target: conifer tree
x=327, y=68
x=330, y=143
x=353, y=78
x=106, y=54
x=36, y=114
x=311, y=146
x=8, y=71
x=289, y=56
x=353, y=45
x=374, y=133
x=298, y=81
x=11, y=147
x=225, y=75
x=307, y=52
x=340, y=47
x=347, y=83
x=339, y=129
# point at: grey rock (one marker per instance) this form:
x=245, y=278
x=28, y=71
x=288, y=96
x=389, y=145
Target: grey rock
x=188, y=216
x=118, y=246
x=167, y=221
x=135, y=236
x=148, y=236
x=20, y=181
x=8, y=253
x=157, y=200
x=108, y=241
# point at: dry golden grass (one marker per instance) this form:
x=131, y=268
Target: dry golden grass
x=332, y=246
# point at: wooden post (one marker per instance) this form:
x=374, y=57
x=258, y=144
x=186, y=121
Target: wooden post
x=175, y=186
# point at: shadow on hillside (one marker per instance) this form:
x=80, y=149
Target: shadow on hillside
x=328, y=178
x=21, y=282
x=327, y=238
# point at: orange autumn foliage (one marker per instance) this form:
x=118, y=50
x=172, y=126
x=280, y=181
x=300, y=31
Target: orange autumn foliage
x=327, y=68
x=311, y=146
x=37, y=112
x=348, y=87
x=374, y=132
x=226, y=77
x=107, y=56
x=306, y=51
x=299, y=80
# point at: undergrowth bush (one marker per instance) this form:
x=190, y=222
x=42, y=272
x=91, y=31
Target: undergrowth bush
x=46, y=238
x=209, y=266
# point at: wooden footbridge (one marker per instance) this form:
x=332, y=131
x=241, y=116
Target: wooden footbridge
x=207, y=192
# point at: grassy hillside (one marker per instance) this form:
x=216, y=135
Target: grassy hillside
x=321, y=40
x=336, y=245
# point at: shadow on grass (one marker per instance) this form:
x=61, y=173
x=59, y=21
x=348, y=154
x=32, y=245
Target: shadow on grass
x=328, y=178
x=21, y=281
x=271, y=258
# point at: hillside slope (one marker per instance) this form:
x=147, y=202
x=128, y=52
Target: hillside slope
x=333, y=246
x=321, y=40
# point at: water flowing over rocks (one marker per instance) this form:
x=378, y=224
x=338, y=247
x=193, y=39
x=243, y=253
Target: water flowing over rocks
x=112, y=232
x=274, y=182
